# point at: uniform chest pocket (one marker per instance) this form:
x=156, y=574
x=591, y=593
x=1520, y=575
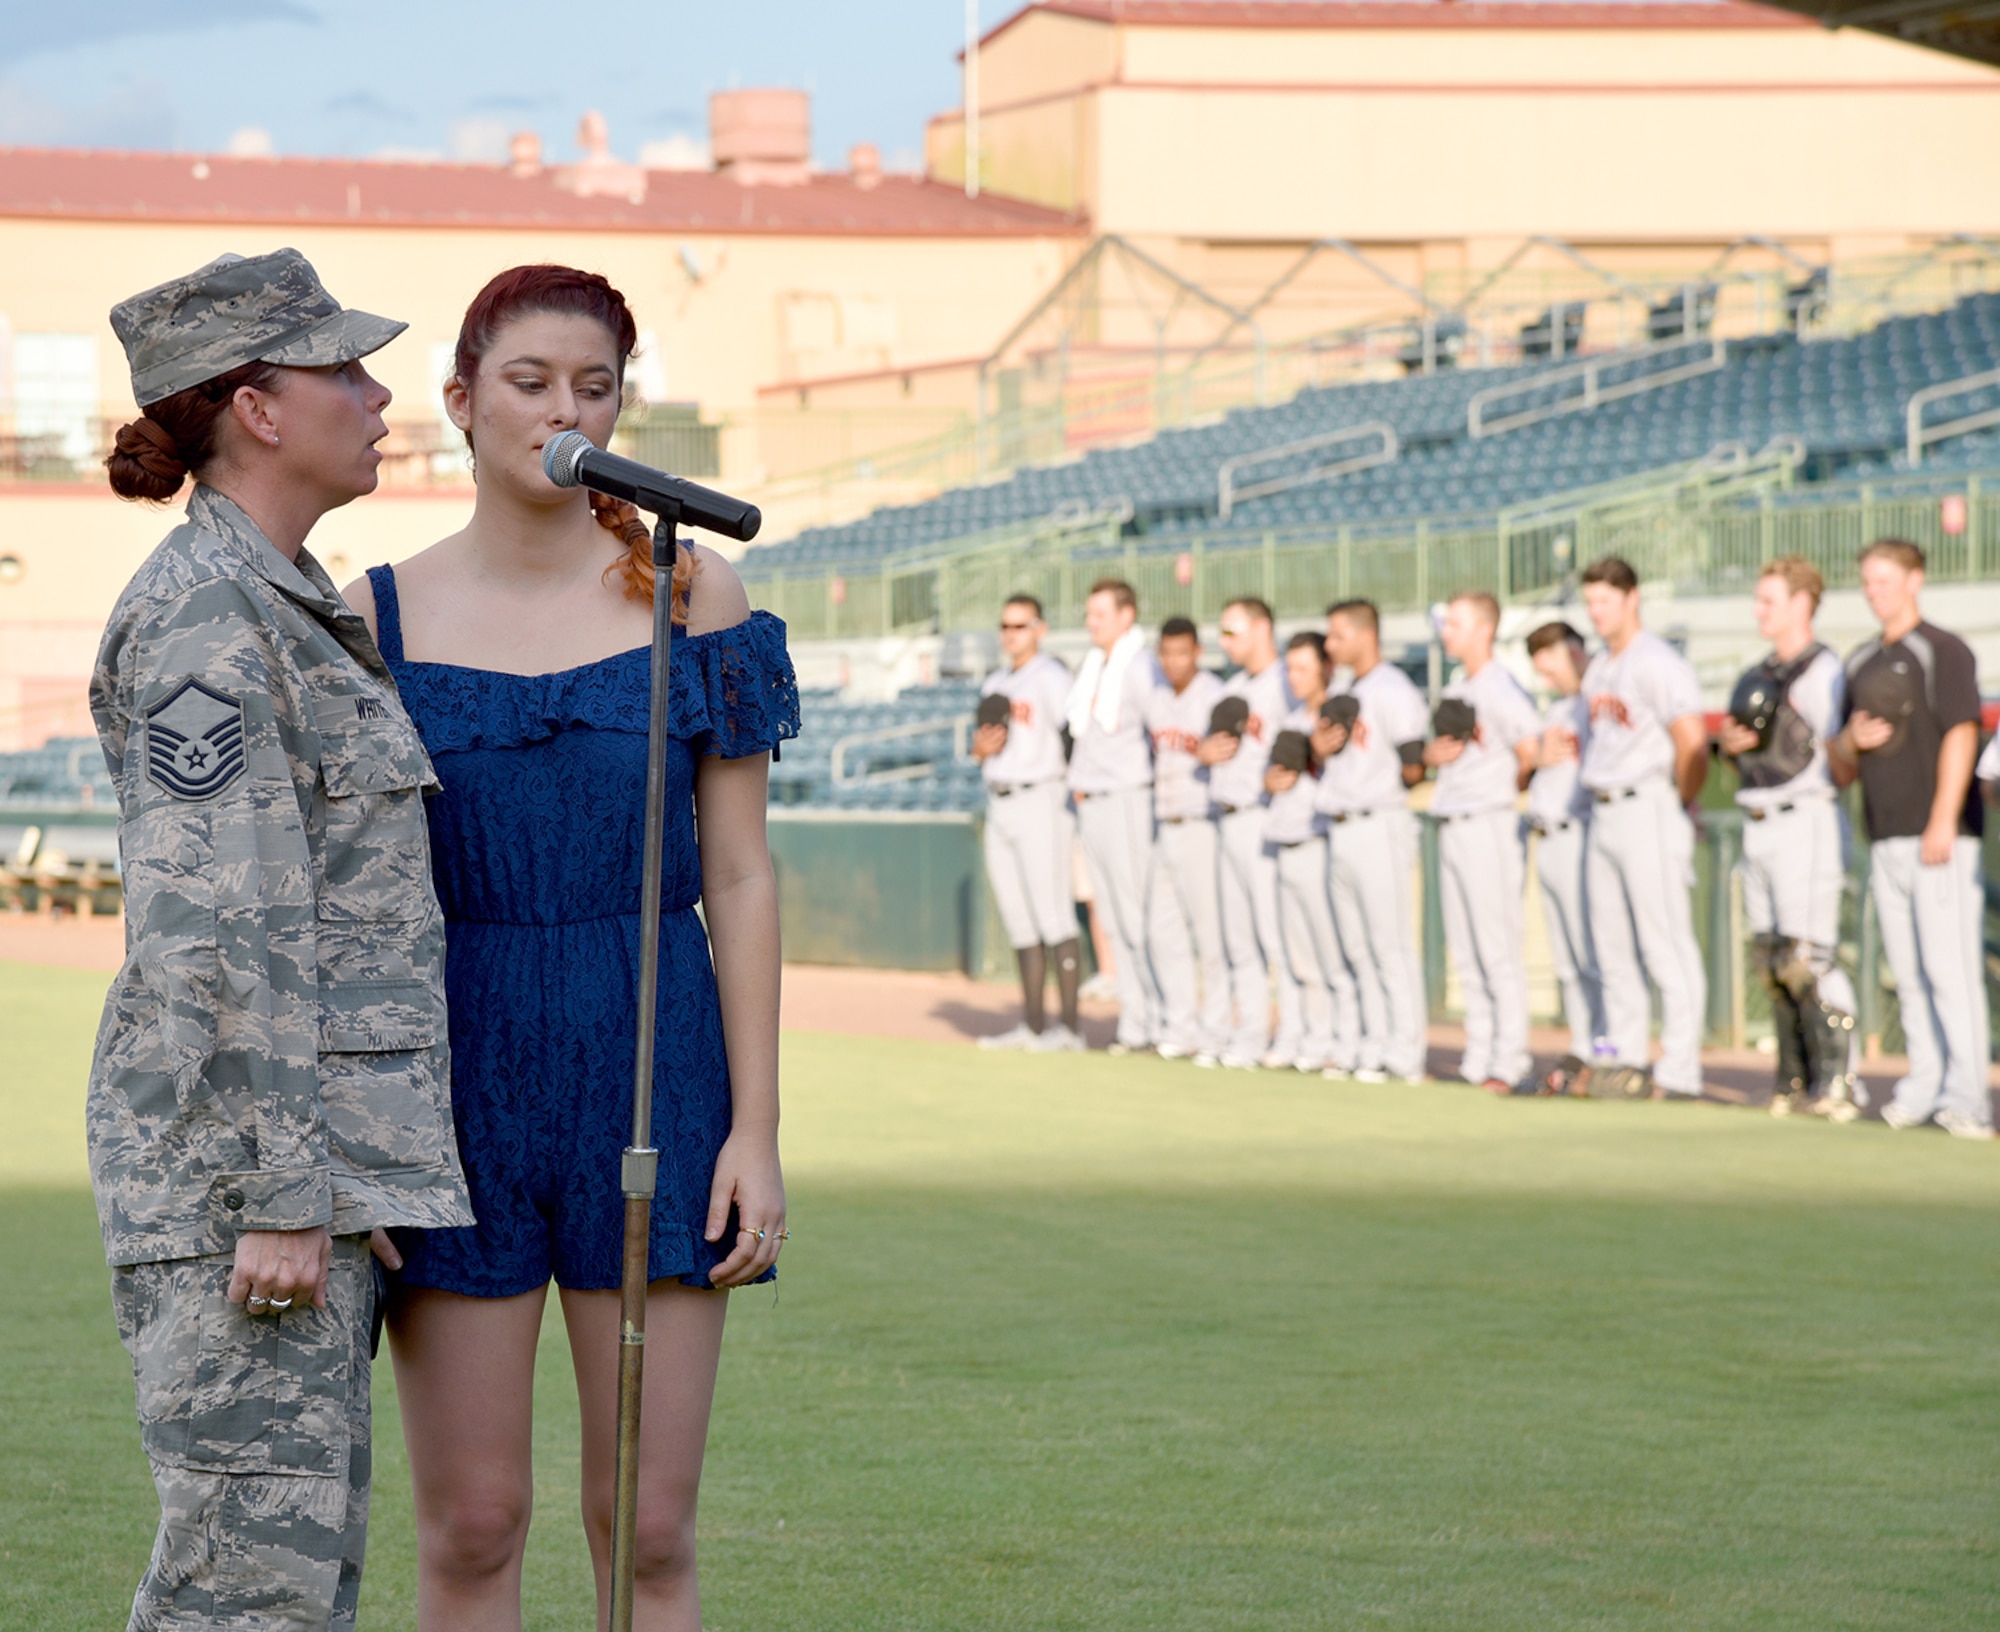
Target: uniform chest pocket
x=373, y=859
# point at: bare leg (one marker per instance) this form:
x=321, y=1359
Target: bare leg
x=683, y=1344
x=465, y=1376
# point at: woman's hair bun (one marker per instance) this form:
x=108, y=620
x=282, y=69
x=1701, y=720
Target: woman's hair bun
x=144, y=462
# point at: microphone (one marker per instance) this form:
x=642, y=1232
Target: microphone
x=571, y=459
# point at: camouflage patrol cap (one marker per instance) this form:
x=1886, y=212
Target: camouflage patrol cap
x=236, y=310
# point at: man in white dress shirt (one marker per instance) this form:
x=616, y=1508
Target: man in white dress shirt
x=1251, y=935
x=1364, y=791
x=1111, y=781
x=1029, y=828
x=1644, y=767
x=1184, y=907
x=1483, y=752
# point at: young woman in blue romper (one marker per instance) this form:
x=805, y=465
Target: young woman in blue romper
x=521, y=646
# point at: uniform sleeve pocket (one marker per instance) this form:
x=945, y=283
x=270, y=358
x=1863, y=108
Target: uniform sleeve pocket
x=381, y=1077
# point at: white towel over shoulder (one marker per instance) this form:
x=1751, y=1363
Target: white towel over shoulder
x=1100, y=683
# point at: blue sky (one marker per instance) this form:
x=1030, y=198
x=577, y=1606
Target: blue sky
x=446, y=76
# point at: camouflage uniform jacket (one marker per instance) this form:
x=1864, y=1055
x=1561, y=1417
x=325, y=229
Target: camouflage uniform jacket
x=273, y=1054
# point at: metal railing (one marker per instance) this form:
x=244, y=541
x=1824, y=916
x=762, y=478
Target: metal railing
x=858, y=742
x=1553, y=386
x=1704, y=528
x=1919, y=436
x=1228, y=492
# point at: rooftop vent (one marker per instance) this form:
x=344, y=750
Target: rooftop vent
x=762, y=138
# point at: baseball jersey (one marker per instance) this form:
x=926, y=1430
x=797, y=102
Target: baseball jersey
x=1239, y=782
x=1556, y=792
x=1178, y=721
x=1367, y=774
x=1102, y=761
x=1634, y=698
x=1819, y=697
x=1293, y=816
x=1039, y=692
x=1899, y=779
x=1487, y=775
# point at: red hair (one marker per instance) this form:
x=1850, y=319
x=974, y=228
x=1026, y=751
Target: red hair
x=523, y=290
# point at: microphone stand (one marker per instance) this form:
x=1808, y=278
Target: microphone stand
x=640, y=1168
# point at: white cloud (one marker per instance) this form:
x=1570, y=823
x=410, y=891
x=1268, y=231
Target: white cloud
x=676, y=152
x=250, y=142
x=479, y=141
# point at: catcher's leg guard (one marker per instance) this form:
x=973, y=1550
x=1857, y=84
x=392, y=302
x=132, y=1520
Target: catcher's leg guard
x=1794, y=1061
x=1826, y=1030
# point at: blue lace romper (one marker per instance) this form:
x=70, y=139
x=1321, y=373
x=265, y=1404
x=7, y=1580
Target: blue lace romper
x=536, y=844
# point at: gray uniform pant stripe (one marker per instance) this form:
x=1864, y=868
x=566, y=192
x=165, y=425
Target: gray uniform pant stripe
x=1254, y=941
x=1028, y=839
x=1184, y=930
x=1117, y=833
x=1931, y=935
x=1327, y=999
x=1559, y=866
x=1481, y=868
x=1373, y=872
x=1640, y=873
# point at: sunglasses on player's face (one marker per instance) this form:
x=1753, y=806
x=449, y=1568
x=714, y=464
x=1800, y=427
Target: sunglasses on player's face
x=1014, y=628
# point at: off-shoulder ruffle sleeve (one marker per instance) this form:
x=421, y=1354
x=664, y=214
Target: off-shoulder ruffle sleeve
x=734, y=690
x=734, y=694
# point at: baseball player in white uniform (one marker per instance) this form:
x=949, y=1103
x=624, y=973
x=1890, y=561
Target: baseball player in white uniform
x=1911, y=732
x=1251, y=934
x=1370, y=766
x=1559, y=809
x=1029, y=828
x=1644, y=766
x=1794, y=866
x=1111, y=782
x=1184, y=903
x=1482, y=861
x=1295, y=831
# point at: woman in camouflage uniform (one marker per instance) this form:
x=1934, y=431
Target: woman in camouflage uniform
x=271, y=1080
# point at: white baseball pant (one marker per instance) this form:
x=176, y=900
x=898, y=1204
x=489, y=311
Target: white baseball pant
x=1027, y=842
x=1328, y=1003
x=1374, y=854
x=1932, y=935
x=1184, y=930
x=1117, y=831
x=1559, y=866
x=1481, y=871
x=1639, y=876
x=1794, y=872
x=1254, y=941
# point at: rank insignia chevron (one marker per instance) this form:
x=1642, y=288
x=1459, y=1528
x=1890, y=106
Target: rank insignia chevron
x=194, y=741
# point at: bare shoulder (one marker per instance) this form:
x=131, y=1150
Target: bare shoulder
x=717, y=600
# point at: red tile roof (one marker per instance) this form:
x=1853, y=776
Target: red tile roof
x=1419, y=14
x=191, y=187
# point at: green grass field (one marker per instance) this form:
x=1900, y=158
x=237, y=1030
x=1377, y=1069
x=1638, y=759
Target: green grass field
x=1120, y=1344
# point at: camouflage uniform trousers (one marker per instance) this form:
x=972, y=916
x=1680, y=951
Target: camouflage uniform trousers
x=258, y=1433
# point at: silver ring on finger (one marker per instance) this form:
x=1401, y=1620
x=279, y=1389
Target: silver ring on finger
x=280, y=1303
x=255, y=1302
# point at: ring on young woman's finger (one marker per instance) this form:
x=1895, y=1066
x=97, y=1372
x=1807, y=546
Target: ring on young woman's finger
x=784, y=1235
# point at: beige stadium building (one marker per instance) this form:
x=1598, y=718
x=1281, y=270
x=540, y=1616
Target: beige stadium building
x=1231, y=198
